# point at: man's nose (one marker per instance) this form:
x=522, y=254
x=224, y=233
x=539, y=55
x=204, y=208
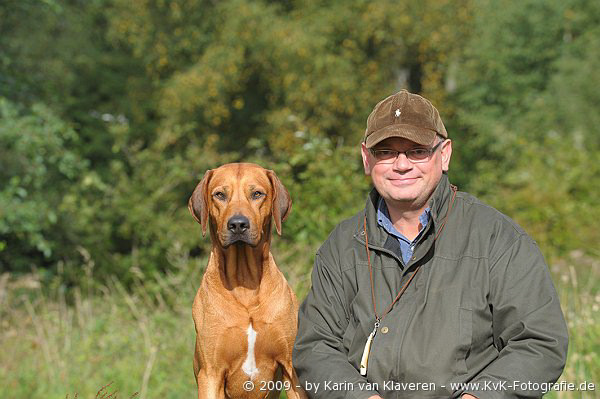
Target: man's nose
x=238, y=224
x=402, y=163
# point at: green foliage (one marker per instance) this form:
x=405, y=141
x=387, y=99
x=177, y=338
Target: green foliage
x=509, y=58
x=507, y=62
x=37, y=168
x=527, y=108
x=155, y=93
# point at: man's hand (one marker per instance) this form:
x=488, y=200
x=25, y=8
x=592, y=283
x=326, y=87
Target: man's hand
x=375, y=397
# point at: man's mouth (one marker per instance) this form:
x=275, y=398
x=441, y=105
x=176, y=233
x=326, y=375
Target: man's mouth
x=403, y=181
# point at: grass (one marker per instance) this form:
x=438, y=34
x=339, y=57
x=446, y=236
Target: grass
x=103, y=341
x=57, y=343
x=578, y=284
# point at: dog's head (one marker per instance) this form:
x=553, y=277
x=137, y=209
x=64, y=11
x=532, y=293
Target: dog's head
x=240, y=199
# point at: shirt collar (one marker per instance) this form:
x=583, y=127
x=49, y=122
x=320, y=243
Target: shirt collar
x=383, y=219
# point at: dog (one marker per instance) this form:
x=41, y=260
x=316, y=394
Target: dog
x=244, y=312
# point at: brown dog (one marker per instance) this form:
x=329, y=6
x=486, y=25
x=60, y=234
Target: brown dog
x=245, y=313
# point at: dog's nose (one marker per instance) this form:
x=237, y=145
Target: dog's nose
x=238, y=224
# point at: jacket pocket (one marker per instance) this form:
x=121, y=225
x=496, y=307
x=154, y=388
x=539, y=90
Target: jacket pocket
x=465, y=333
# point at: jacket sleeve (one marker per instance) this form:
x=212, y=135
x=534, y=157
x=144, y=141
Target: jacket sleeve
x=319, y=355
x=529, y=329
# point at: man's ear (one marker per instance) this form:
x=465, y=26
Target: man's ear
x=281, y=203
x=198, y=202
x=365, y=158
x=446, y=155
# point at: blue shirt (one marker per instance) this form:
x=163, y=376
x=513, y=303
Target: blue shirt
x=407, y=247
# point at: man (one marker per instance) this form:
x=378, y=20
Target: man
x=427, y=292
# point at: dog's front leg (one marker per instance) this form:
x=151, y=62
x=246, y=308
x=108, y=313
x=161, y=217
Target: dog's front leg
x=211, y=385
x=289, y=376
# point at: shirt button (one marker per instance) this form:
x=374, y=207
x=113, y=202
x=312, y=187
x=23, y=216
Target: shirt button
x=384, y=330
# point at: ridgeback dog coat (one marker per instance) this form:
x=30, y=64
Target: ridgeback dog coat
x=245, y=313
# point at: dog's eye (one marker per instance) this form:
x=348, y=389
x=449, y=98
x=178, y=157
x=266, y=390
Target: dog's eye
x=220, y=195
x=257, y=195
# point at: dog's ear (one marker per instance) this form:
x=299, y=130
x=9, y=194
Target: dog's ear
x=198, y=202
x=282, y=202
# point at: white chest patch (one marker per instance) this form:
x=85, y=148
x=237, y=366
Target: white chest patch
x=249, y=366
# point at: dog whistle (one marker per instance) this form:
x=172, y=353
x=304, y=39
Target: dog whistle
x=364, y=361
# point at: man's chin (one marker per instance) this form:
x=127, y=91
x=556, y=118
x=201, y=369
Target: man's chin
x=400, y=195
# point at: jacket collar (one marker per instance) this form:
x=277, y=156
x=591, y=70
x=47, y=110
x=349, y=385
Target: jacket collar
x=438, y=204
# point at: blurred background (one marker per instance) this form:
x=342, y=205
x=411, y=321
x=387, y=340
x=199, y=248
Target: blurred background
x=112, y=110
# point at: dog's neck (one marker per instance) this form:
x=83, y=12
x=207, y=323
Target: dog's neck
x=242, y=267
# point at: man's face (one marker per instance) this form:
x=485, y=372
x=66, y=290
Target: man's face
x=403, y=183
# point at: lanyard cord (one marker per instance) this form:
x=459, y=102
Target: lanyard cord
x=377, y=317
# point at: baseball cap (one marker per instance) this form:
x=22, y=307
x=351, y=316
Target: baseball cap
x=404, y=115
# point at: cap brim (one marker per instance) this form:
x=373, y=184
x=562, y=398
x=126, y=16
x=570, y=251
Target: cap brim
x=418, y=135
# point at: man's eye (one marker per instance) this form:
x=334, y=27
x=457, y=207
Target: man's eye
x=257, y=195
x=220, y=195
x=385, y=153
x=420, y=151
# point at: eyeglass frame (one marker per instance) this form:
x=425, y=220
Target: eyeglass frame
x=426, y=159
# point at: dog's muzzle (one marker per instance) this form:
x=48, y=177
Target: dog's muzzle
x=238, y=228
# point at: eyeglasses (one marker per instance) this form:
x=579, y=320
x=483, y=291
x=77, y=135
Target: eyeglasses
x=414, y=155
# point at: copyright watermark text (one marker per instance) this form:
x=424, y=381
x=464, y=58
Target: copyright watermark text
x=498, y=386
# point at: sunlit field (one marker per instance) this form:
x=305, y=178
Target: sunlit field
x=59, y=342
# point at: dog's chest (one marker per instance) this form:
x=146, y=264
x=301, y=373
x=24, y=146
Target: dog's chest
x=251, y=353
x=250, y=343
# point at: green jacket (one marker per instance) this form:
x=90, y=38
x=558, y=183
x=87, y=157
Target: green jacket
x=482, y=309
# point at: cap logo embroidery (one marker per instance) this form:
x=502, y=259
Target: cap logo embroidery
x=398, y=112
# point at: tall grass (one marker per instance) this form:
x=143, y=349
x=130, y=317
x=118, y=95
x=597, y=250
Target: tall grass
x=102, y=340
x=57, y=342
x=578, y=284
